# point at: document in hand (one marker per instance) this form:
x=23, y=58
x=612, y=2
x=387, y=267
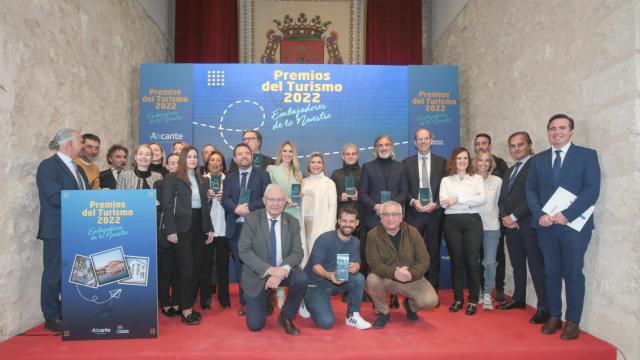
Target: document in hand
x=561, y=200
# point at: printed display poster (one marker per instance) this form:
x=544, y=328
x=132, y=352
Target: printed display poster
x=109, y=287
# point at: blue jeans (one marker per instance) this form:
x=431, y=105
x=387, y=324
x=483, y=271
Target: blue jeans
x=318, y=299
x=490, y=244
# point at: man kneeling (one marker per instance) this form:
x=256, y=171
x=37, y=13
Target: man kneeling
x=398, y=260
x=322, y=267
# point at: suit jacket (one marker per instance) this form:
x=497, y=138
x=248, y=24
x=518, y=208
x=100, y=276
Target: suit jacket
x=373, y=182
x=107, y=181
x=436, y=173
x=254, y=248
x=52, y=177
x=266, y=161
x=176, y=205
x=514, y=201
x=501, y=167
x=579, y=174
x=257, y=182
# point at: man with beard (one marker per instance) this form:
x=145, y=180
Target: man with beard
x=90, y=151
x=322, y=267
x=117, y=159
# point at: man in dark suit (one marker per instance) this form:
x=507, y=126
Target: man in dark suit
x=56, y=173
x=381, y=174
x=253, y=139
x=117, y=160
x=271, y=252
x=576, y=169
x=522, y=242
x=482, y=142
x=246, y=179
x=426, y=170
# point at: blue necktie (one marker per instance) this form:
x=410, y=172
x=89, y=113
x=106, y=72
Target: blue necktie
x=274, y=244
x=514, y=174
x=243, y=180
x=557, y=164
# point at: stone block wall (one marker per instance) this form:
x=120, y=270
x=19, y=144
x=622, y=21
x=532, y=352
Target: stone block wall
x=63, y=63
x=523, y=61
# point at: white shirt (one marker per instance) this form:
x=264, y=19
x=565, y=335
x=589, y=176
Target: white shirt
x=278, y=236
x=469, y=191
x=489, y=213
x=71, y=166
x=217, y=212
x=563, y=153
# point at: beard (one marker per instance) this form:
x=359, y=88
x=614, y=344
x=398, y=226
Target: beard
x=343, y=230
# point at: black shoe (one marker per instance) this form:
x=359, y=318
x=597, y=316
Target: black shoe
x=225, y=305
x=288, y=326
x=512, y=304
x=541, y=316
x=171, y=312
x=500, y=296
x=457, y=305
x=197, y=314
x=381, y=321
x=206, y=305
x=471, y=309
x=191, y=319
x=53, y=325
x=393, y=302
x=411, y=315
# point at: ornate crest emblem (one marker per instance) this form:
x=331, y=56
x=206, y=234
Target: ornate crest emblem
x=301, y=41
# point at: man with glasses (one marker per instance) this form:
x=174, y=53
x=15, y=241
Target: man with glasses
x=398, y=260
x=253, y=139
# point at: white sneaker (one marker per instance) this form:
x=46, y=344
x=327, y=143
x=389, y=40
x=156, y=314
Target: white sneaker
x=357, y=321
x=487, y=302
x=303, y=312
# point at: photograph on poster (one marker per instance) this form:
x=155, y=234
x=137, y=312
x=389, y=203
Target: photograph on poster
x=138, y=269
x=83, y=272
x=110, y=266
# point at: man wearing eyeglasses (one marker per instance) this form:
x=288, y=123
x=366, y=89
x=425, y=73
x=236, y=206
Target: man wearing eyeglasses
x=398, y=260
x=253, y=138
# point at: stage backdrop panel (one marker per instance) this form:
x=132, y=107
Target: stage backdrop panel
x=109, y=286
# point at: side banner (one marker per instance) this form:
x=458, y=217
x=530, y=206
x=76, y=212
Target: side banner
x=109, y=287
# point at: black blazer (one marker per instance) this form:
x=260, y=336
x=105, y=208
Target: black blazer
x=258, y=181
x=373, y=182
x=176, y=205
x=515, y=201
x=436, y=173
x=107, y=181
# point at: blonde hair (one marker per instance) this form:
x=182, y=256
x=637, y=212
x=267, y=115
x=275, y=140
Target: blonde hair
x=482, y=153
x=315, y=154
x=295, y=165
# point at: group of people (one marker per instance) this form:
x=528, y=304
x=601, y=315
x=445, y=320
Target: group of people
x=278, y=223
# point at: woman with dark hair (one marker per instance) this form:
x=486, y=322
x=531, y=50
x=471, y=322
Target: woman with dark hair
x=140, y=177
x=167, y=275
x=157, y=159
x=187, y=225
x=462, y=195
x=215, y=175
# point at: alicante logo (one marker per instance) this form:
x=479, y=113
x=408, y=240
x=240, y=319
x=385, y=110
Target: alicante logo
x=168, y=136
x=301, y=41
x=101, y=331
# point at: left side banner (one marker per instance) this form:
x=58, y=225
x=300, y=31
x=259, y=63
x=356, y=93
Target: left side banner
x=109, y=272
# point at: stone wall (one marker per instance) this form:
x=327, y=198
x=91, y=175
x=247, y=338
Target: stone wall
x=71, y=63
x=523, y=61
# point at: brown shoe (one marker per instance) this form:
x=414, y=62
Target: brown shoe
x=551, y=326
x=571, y=331
x=241, y=311
x=288, y=326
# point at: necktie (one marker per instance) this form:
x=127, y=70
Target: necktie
x=274, y=244
x=557, y=163
x=243, y=180
x=79, y=178
x=118, y=174
x=425, y=172
x=514, y=174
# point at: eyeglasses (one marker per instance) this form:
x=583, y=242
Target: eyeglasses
x=275, y=200
x=391, y=215
x=247, y=139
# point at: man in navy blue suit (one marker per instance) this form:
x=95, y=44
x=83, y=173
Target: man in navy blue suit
x=577, y=170
x=55, y=174
x=253, y=179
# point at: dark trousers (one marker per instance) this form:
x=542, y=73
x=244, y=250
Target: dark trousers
x=563, y=251
x=522, y=245
x=50, y=286
x=430, y=226
x=236, y=257
x=256, y=307
x=222, y=269
x=189, y=260
x=463, y=235
x=205, y=279
x=167, y=276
